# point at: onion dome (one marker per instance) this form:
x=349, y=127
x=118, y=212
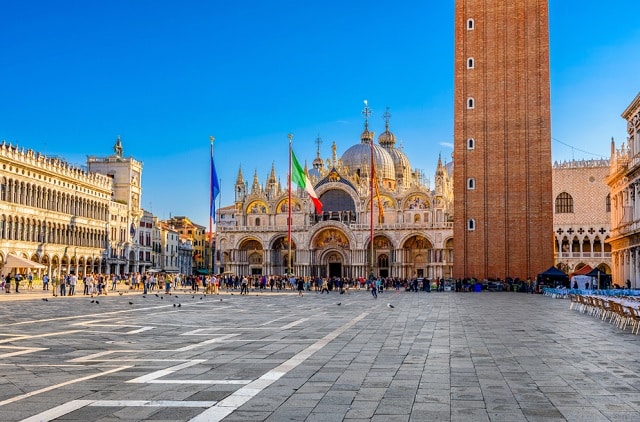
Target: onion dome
x=387, y=140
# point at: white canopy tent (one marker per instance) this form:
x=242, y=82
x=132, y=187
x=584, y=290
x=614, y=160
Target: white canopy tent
x=14, y=261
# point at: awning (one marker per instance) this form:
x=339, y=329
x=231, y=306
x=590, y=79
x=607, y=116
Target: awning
x=202, y=272
x=14, y=261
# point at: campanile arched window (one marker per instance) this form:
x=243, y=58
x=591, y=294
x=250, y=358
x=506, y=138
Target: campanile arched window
x=471, y=183
x=471, y=63
x=471, y=143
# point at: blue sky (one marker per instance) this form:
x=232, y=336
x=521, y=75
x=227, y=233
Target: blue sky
x=165, y=75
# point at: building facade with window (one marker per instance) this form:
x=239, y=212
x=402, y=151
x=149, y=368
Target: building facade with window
x=624, y=185
x=169, y=246
x=196, y=235
x=53, y=213
x=73, y=219
x=412, y=223
x=123, y=248
x=582, y=215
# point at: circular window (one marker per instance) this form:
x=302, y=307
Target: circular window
x=592, y=179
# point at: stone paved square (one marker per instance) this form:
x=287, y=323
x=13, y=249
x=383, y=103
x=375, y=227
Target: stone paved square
x=492, y=356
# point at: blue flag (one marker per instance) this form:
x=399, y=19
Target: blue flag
x=215, y=190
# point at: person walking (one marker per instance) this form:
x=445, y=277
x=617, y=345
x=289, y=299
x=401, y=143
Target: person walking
x=325, y=286
x=300, y=286
x=374, y=290
x=73, y=280
x=244, y=288
x=63, y=286
x=167, y=284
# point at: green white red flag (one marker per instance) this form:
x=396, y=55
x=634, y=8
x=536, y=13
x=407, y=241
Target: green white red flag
x=300, y=178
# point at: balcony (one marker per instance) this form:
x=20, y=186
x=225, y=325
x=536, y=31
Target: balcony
x=352, y=226
x=580, y=255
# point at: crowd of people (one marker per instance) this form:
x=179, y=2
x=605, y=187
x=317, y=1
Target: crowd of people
x=102, y=284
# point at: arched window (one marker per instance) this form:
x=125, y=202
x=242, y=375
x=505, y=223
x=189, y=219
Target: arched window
x=257, y=222
x=471, y=63
x=471, y=103
x=564, y=203
x=471, y=143
x=383, y=261
x=471, y=224
x=607, y=203
x=3, y=189
x=471, y=183
x=470, y=25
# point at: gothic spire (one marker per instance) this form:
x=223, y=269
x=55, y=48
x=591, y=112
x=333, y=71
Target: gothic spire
x=240, y=178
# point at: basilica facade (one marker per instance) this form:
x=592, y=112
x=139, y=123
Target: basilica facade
x=411, y=223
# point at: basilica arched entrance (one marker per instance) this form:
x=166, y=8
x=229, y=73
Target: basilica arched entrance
x=330, y=245
x=279, y=256
x=415, y=251
x=334, y=264
x=251, y=257
x=382, y=250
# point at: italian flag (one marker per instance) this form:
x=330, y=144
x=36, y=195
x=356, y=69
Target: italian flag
x=300, y=178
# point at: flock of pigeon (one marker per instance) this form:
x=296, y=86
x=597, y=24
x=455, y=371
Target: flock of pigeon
x=179, y=305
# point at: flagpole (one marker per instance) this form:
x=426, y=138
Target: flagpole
x=214, y=220
x=372, y=175
x=290, y=205
x=212, y=262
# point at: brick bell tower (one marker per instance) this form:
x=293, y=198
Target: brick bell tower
x=503, y=223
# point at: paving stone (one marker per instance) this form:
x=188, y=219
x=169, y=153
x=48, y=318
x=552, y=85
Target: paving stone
x=436, y=357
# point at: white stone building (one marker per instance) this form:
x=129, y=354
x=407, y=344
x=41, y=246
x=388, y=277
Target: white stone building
x=624, y=183
x=53, y=213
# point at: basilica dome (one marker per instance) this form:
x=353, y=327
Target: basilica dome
x=358, y=158
x=401, y=164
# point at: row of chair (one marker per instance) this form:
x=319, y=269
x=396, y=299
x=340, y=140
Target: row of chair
x=621, y=315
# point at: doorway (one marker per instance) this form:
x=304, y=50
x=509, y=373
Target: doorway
x=335, y=269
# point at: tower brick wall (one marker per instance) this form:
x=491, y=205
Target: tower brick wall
x=502, y=67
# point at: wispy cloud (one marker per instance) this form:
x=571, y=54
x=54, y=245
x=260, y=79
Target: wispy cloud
x=446, y=144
